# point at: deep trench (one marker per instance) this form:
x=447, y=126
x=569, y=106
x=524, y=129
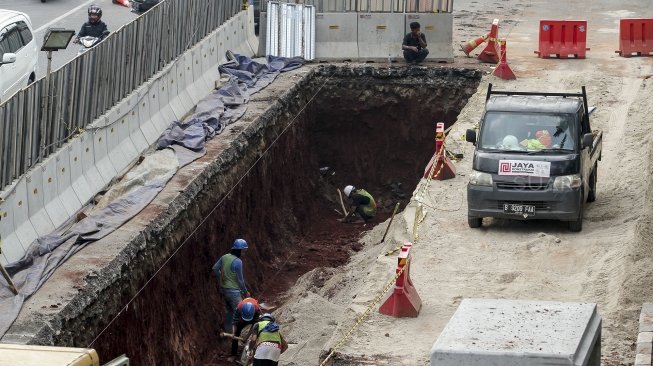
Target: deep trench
x=371, y=127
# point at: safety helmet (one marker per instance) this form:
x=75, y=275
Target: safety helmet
x=247, y=311
x=94, y=10
x=239, y=244
x=510, y=141
x=348, y=190
x=267, y=316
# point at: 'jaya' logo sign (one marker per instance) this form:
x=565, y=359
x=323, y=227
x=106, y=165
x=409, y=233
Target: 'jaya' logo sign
x=523, y=167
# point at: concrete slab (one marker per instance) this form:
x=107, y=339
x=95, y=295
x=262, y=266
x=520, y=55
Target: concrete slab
x=515, y=332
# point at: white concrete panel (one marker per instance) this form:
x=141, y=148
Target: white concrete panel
x=117, y=153
x=336, y=36
x=120, y=143
x=143, y=111
x=24, y=229
x=176, y=104
x=438, y=29
x=209, y=63
x=131, y=121
x=93, y=177
x=201, y=85
x=380, y=36
x=80, y=185
x=55, y=209
x=38, y=216
x=167, y=113
x=252, y=39
x=180, y=80
x=12, y=250
x=221, y=45
x=262, y=34
x=159, y=121
x=194, y=90
x=101, y=154
x=64, y=185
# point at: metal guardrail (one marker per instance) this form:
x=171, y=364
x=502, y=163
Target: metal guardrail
x=374, y=6
x=33, y=125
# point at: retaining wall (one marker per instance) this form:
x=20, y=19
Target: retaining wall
x=56, y=189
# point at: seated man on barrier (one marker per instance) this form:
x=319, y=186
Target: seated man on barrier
x=414, y=44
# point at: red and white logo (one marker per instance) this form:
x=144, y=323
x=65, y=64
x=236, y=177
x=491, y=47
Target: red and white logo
x=504, y=167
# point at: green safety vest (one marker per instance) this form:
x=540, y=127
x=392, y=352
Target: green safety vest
x=370, y=208
x=267, y=336
x=228, y=277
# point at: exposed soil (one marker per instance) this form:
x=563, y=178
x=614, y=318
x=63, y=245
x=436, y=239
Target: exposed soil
x=371, y=127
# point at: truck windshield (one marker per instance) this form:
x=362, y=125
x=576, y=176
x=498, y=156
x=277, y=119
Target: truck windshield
x=532, y=132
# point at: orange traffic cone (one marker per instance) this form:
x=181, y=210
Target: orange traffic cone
x=468, y=47
x=490, y=54
x=503, y=70
x=123, y=3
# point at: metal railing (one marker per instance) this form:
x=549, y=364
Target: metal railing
x=374, y=6
x=35, y=124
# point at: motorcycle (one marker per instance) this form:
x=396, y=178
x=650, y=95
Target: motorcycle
x=89, y=42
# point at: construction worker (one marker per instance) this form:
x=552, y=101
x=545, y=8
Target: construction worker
x=229, y=271
x=269, y=342
x=362, y=204
x=247, y=312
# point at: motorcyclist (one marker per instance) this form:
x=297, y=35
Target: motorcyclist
x=95, y=27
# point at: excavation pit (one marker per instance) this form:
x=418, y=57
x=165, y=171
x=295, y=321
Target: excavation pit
x=271, y=178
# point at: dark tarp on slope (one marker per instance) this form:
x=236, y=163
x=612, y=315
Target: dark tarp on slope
x=212, y=114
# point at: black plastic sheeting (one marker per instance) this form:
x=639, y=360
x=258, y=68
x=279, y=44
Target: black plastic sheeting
x=212, y=114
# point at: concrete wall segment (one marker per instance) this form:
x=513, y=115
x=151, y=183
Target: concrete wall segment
x=65, y=190
x=380, y=35
x=80, y=185
x=12, y=250
x=55, y=209
x=334, y=36
x=24, y=229
x=438, y=29
x=36, y=205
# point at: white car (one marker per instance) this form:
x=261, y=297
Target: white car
x=18, y=53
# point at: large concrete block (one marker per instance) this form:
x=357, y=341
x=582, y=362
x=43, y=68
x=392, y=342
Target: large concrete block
x=488, y=332
x=438, y=29
x=646, y=318
x=335, y=36
x=380, y=36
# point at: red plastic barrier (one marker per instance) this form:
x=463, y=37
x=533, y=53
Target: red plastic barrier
x=562, y=38
x=404, y=300
x=444, y=168
x=635, y=37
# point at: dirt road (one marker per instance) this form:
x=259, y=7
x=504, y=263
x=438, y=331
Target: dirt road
x=608, y=263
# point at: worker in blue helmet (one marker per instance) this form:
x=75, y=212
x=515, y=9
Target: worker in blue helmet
x=229, y=271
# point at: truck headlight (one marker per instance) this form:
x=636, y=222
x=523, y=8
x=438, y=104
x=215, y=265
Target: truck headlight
x=567, y=181
x=480, y=179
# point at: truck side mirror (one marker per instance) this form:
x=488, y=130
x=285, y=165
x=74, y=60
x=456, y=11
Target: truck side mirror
x=8, y=58
x=588, y=140
x=470, y=136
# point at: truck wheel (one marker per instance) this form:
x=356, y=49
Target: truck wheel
x=474, y=222
x=577, y=225
x=591, y=195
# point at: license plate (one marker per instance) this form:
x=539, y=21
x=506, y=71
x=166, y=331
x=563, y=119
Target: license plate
x=517, y=209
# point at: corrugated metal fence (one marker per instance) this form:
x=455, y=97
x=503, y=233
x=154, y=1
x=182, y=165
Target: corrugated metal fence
x=375, y=6
x=33, y=125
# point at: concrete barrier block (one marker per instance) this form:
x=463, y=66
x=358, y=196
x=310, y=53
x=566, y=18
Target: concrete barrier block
x=93, y=177
x=515, y=332
x=67, y=195
x=165, y=101
x=646, y=318
x=643, y=360
x=159, y=121
x=53, y=206
x=250, y=34
x=24, y=229
x=148, y=128
x=335, y=36
x=118, y=137
x=221, y=44
x=12, y=249
x=80, y=185
x=38, y=216
x=438, y=29
x=101, y=156
x=201, y=86
x=380, y=36
x=180, y=79
x=263, y=33
x=210, y=71
x=175, y=100
x=130, y=118
x=193, y=86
